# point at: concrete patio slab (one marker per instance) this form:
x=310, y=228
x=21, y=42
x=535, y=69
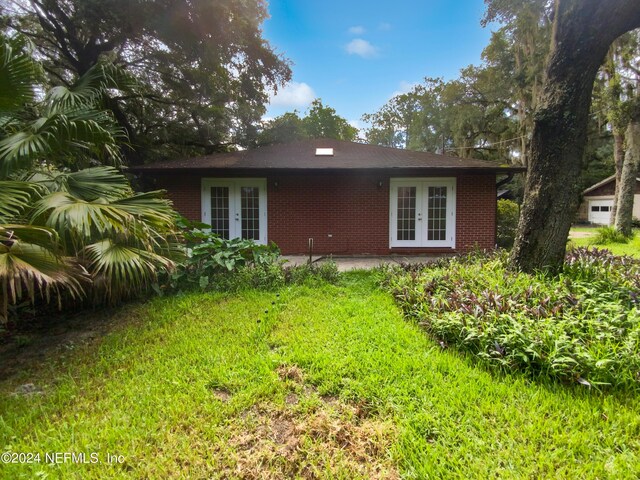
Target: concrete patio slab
x=364, y=262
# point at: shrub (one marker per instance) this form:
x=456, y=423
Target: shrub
x=209, y=257
x=582, y=326
x=215, y=263
x=262, y=277
x=325, y=271
x=607, y=235
x=508, y=215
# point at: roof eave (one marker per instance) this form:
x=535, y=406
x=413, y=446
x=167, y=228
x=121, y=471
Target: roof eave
x=461, y=169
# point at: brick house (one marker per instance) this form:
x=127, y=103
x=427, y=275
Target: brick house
x=597, y=202
x=349, y=198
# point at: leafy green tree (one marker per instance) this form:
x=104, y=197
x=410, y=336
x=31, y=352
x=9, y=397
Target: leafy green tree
x=203, y=66
x=487, y=111
x=323, y=122
x=285, y=128
x=70, y=233
x=518, y=50
x=464, y=117
x=320, y=121
x=399, y=122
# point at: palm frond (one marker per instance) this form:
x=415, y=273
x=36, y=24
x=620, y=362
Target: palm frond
x=35, y=234
x=144, y=217
x=17, y=76
x=89, y=88
x=15, y=198
x=84, y=132
x=150, y=208
x=87, y=184
x=30, y=262
x=120, y=270
x=64, y=98
x=20, y=149
x=79, y=221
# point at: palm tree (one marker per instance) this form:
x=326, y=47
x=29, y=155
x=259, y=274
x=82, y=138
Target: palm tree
x=81, y=233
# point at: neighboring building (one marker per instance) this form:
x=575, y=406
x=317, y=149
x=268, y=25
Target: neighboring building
x=349, y=198
x=598, y=201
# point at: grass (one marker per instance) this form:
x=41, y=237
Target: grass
x=331, y=382
x=584, y=228
x=631, y=248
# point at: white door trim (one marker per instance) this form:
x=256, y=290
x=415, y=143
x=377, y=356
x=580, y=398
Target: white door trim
x=421, y=217
x=235, y=220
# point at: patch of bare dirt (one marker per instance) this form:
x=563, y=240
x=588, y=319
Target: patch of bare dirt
x=290, y=372
x=222, y=394
x=36, y=341
x=574, y=234
x=333, y=438
x=283, y=443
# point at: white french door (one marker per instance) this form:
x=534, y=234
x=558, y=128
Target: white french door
x=422, y=212
x=236, y=207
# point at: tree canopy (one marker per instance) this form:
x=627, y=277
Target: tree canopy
x=202, y=67
x=320, y=121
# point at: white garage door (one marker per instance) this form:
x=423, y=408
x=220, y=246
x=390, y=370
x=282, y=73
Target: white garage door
x=600, y=211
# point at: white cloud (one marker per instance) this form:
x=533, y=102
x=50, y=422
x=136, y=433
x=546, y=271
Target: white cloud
x=294, y=94
x=360, y=126
x=404, y=87
x=356, y=30
x=361, y=47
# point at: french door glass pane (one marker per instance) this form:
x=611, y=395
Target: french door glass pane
x=406, y=213
x=220, y=211
x=437, y=213
x=250, y=214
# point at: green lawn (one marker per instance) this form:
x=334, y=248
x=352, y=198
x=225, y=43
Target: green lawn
x=632, y=248
x=315, y=382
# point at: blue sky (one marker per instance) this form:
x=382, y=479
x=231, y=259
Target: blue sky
x=356, y=54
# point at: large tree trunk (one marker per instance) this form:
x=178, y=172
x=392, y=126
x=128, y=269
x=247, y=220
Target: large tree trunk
x=627, y=186
x=618, y=159
x=583, y=30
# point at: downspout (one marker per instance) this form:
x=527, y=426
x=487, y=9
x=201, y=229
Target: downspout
x=504, y=181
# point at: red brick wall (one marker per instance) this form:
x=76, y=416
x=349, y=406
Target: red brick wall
x=347, y=213
x=344, y=214
x=184, y=191
x=476, y=210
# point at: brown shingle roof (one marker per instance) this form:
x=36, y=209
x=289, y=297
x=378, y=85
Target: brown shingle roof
x=347, y=155
x=601, y=183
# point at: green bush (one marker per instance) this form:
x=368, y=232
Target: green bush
x=212, y=260
x=326, y=271
x=582, y=326
x=262, y=277
x=607, y=235
x=508, y=215
x=215, y=263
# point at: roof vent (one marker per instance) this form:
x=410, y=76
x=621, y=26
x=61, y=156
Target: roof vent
x=324, y=152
